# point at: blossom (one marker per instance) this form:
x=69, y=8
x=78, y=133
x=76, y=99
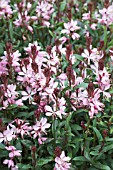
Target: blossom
x=9, y=162
x=6, y=136
x=21, y=127
x=70, y=29
x=44, y=11
x=106, y=15
x=39, y=129
x=23, y=18
x=28, y=94
x=41, y=125
x=13, y=152
x=11, y=93
x=14, y=57
x=3, y=68
x=54, y=112
x=93, y=55
x=5, y=8
x=94, y=103
x=86, y=16
x=35, y=54
x=111, y=54
x=62, y=162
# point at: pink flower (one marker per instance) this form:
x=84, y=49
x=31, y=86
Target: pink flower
x=106, y=15
x=86, y=16
x=70, y=29
x=93, y=26
x=19, y=102
x=44, y=11
x=22, y=127
x=13, y=152
x=41, y=140
x=9, y=162
x=28, y=94
x=41, y=125
x=94, y=103
x=62, y=162
x=93, y=55
x=5, y=8
x=15, y=58
x=23, y=18
x=54, y=112
x=111, y=54
x=11, y=93
x=103, y=80
x=6, y=136
x=39, y=129
x=3, y=68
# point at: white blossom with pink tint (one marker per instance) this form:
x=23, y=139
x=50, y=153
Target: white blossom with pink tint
x=61, y=109
x=26, y=75
x=13, y=151
x=111, y=54
x=24, y=18
x=28, y=94
x=11, y=91
x=6, y=136
x=9, y=162
x=44, y=11
x=3, y=69
x=15, y=58
x=70, y=29
x=94, y=103
x=86, y=16
x=21, y=127
x=5, y=8
x=39, y=129
x=39, y=55
x=62, y=162
x=93, y=55
x=12, y=154
x=106, y=15
x=19, y=102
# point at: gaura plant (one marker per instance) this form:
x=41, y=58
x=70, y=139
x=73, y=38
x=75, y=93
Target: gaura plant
x=56, y=85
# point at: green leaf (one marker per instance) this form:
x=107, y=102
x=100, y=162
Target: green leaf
x=27, y=143
x=44, y=161
x=23, y=166
x=101, y=166
x=108, y=147
x=30, y=114
x=98, y=134
x=94, y=152
x=67, y=122
x=76, y=127
x=79, y=57
x=23, y=107
x=108, y=139
x=11, y=30
x=1, y=49
x=2, y=146
x=63, y=5
x=80, y=158
x=13, y=106
x=87, y=156
x=51, y=33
